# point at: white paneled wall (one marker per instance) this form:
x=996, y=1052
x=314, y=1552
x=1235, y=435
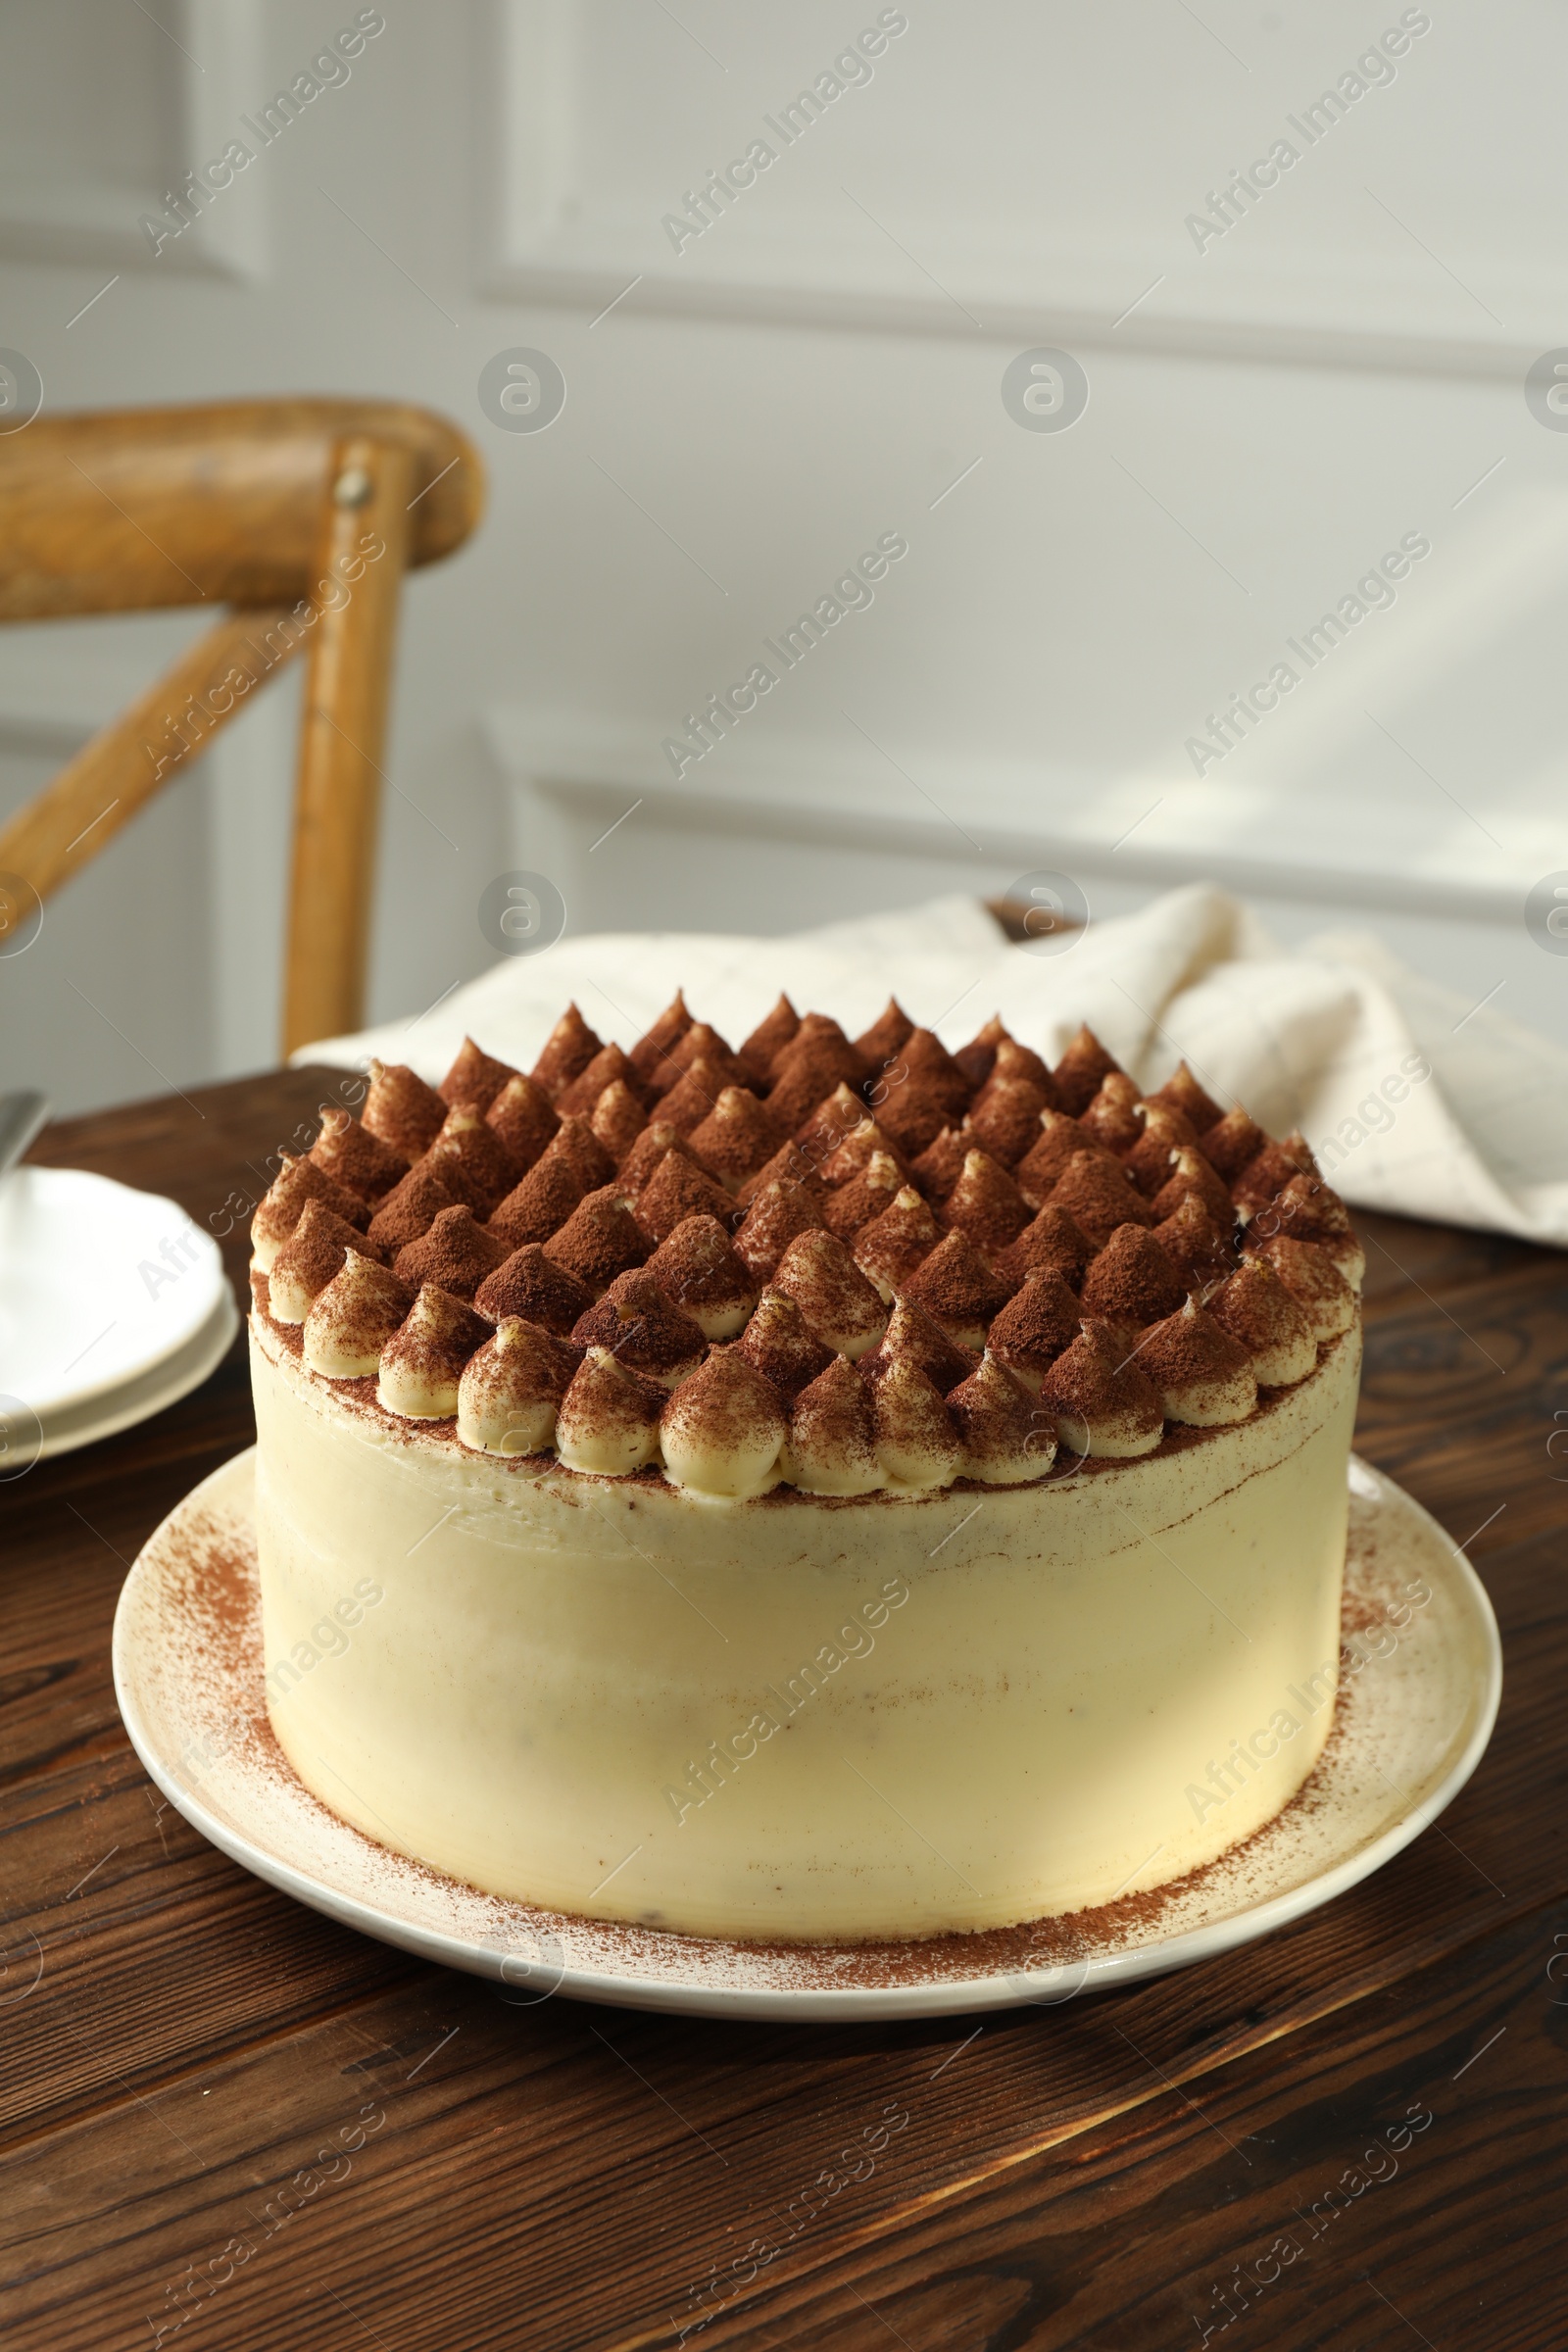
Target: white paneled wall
x=1334, y=366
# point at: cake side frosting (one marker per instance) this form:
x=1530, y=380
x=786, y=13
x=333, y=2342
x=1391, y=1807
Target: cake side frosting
x=881, y=1715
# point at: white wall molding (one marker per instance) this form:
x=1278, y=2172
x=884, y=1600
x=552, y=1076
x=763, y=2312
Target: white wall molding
x=572, y=778
x=551, y=233
x=1016, y=325
x=69, y=207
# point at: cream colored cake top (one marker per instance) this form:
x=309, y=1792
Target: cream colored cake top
x=845, y=1266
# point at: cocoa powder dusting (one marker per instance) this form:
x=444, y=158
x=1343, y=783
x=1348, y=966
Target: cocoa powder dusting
x=1112, y=1118
x=565, y=1235
x=644, y=1157
x=1188, y=1349
x=1132, y=1280
x=1182, y=1092
x=317, y=1247
x=899, y=1239
x=1231, y=1143
x=351, y=1156
x=530, y=1284
x=617, y=1120
x=471, y=1160
x=915, y=1337
x=978, y=1058
x=1099, y=1195
x=401, y=1111
x=937, y=1168
x=438, y=1337
x=778, y=1213
x=698, y=1263
x=956, y=1285
x=524, y=1119
x=1034, y=1328
x=862, y=1198
x=1049, y=1157
x=679, y=1189
x=282, y=1204
x=568, y=1049
x=409, y=1209
x=838, y=1116
x=600, y=1240
x=778, y=1343
x=1016, y=1061
x=728, y=1406
x=575, y=1143
x=700, y=1042
x=641, y=1327
x=986, y=1203
x=475, y=1077
x=1054, y=1242
x=610, y=1067
x=656, y=1044
x=1006, y=1120
x=887, y=1033
x=769, y=1039
x=788, y=1166
x=1097, y=1382
x=916, y=1113
x=539, y=1206
x=455, y=1255
x=737, y=1138
x=857, y=1150
x=694, y=1096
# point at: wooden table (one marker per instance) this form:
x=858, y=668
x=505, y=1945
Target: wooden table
x=179, y=2042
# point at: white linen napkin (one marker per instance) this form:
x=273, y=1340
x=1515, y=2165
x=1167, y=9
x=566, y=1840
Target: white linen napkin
x=1406, y=1111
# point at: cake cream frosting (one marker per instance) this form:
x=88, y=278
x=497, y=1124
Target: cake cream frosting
x=821, y=1488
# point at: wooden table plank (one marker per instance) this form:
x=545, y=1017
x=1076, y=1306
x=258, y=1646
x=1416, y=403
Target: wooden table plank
x=1462, y=1416
x=1402, y=2180
x=563, y=2177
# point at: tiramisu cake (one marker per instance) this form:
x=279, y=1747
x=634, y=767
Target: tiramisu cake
x=821, y=1488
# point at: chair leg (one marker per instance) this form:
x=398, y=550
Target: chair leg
x=363, y=555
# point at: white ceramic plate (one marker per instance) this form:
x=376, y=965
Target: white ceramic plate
x=1412, y=1724
x=99, y=1285
x=106, y=1414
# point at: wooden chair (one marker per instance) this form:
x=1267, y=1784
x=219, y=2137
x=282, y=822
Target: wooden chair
x=301, y=516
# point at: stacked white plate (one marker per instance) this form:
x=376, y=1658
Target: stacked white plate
x=113, y=1305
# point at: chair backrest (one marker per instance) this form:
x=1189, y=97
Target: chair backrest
x=302, y=516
